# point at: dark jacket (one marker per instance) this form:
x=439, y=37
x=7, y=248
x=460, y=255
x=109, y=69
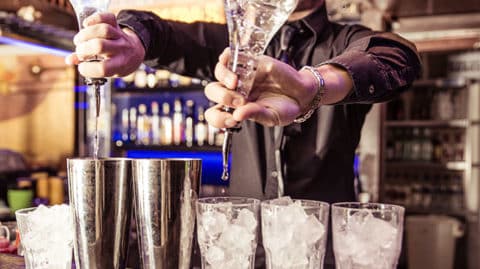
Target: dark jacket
x=314, y=160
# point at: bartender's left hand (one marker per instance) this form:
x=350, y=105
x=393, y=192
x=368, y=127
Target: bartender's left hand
x=279, y=95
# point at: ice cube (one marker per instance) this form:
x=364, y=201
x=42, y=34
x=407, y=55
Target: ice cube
x=246, y=219
x=214, y=255
x=213, y=223
x=310, y=231
x=282, y=201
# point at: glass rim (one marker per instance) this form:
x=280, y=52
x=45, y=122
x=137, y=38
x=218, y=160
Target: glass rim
x=25, y=211
x=368, y=206
x=165, y=159
x=209, y=200
x=100, y=159
x=313, y=204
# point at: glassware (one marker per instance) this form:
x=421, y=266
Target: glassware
x=165, y=191
x=294, y=233
x=227, y=231
x=84, y=9
x=100, y=192
x=46, y=236
x=251, y=26
x=367, y=235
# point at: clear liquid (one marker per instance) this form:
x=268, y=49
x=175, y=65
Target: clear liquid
x=97, y=119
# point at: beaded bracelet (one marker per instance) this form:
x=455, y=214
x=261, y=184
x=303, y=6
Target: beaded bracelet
x=318, y=96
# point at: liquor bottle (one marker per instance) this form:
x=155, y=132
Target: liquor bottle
x=143, y=126
x=189, y=123
x=141, y=77
x=151, y=78
x=166, y=126
x=124, y=129
x=155, y=128
x=133, y=125
x=426, y=145
x=178, y=123
x=416, y=145
x=201, y=127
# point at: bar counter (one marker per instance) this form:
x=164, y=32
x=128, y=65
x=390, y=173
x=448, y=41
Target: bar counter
x=9, y=261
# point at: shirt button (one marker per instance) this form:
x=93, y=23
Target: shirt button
x=274, y=174
x=371, y=89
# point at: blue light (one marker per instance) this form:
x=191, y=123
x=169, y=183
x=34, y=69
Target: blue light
x=33, y=46
x=211, y=162
x=81, y=105
x=83, y=88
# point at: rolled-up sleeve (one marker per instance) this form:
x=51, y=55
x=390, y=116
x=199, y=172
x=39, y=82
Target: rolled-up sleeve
x=381, y=66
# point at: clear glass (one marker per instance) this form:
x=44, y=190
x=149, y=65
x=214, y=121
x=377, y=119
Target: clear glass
x=367, y=235
x=46, y=236
x=294, y=233
x=227, y=231
x=251, y=26
x=85, y=8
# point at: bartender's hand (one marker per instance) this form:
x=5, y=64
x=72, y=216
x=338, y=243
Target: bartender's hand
x=279, y=94
x=120, y=50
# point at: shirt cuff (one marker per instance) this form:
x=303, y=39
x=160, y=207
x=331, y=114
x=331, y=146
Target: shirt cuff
x=369, y=78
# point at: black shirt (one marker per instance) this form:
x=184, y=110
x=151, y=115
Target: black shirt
x=312, y=160
x=317, y=156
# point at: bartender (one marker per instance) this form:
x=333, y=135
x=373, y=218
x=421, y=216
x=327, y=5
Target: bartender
x=300, y=125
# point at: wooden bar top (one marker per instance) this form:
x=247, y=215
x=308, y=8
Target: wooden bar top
x=9, y=261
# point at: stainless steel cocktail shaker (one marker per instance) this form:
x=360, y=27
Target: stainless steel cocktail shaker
x=165, y=191
x=100, y=198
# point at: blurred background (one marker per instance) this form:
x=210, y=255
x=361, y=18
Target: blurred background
x=420, y=150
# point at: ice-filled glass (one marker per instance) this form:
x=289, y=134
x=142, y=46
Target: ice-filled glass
x=46, y=236
x=227, y=231
x=367, y=235
x=294, y=233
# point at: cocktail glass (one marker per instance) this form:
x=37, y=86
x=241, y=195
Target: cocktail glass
x=46, y=236
x=227, y=231
x=294, y=233
x=367, y=235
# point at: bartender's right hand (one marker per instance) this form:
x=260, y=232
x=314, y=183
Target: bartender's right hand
x=120, y=50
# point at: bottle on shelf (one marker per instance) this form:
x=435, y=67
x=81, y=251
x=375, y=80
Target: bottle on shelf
x=155, y=126
x=178, y=123
x=151, y=78
x=426, y=145
x=416, y=145
x=189, y=123
x=140, y=80
x=143, y=126
x=166, y=126
x=124, y=128
x=133, y=124
x=201, y=127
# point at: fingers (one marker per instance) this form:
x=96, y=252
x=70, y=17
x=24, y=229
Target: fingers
x=103, y=30
x=223, y=73
x=100, y=17
x=218, y=118
x=97, y=47
x=72, y=59
x=218, y=93
x=106, y=68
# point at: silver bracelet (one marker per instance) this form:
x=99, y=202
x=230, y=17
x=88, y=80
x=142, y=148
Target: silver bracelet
x=318, y=96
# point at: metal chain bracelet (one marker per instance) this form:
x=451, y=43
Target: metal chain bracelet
x=318, y=96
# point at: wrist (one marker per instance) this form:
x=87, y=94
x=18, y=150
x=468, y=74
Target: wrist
x=314, y=92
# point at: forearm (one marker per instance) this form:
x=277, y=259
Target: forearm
x=190, y=49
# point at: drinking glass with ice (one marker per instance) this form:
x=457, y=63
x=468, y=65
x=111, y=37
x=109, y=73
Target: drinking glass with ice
x=227, y=231
x=46, y=236
x=294, y=233
x=367, y=235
